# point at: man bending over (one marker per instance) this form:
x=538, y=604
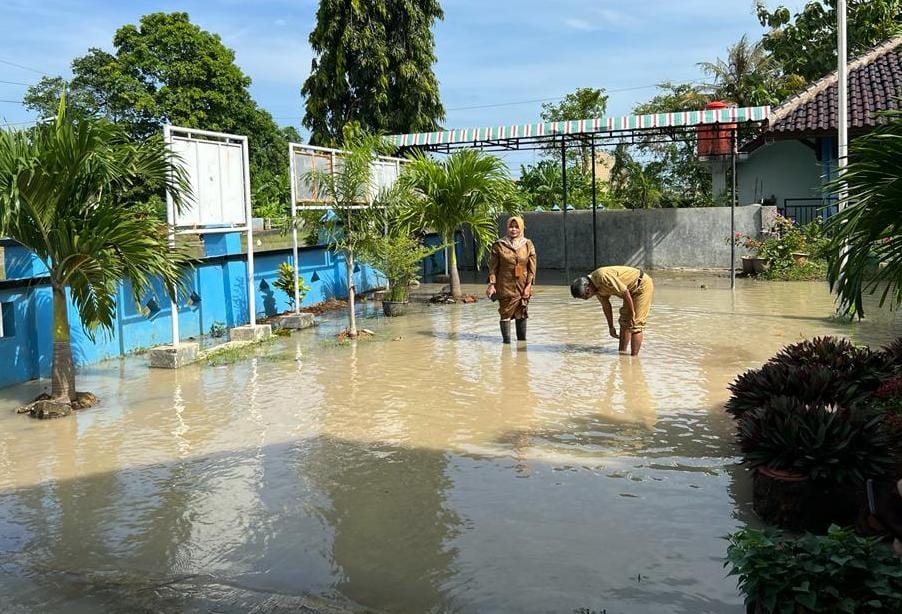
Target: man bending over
x=631, y=285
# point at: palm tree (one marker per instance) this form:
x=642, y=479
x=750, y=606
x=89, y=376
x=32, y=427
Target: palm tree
x=60, y=196
x=746, y=76
x=869, y=226
x=350, y=187
x=469, y=189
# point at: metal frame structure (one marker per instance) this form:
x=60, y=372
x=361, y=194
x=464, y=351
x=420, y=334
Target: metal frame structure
x=170, y=133
x=687, y=126
x=334, y=155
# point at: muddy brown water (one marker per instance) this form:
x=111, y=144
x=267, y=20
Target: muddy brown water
x=428, y=470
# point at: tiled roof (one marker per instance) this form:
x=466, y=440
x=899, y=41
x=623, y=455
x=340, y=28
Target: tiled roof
x=875, y=84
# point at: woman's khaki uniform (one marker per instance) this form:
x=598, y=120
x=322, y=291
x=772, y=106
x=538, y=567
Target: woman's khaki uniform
x=511, y=269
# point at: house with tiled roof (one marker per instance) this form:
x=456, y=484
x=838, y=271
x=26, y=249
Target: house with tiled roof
x=793, y=157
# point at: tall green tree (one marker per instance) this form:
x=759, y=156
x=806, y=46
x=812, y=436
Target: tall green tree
x=468, y=189
x=164, y=70
x=868, y=229
x=542, y=185
x=60, y=188
x=673, y=164
x=373, y=66
x=582, y=103
x=804, y=44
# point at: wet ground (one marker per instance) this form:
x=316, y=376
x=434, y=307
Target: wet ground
x=430, y=469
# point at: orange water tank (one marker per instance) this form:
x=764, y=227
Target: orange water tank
x=715, y=139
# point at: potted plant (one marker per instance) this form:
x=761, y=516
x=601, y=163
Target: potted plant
x=828, y=370
x=800, y=258
x=394, y=243
x=808, y=430
x=810, y=461
x=398, y=255
x=752, y=264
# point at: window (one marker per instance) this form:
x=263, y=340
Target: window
x=8, y=320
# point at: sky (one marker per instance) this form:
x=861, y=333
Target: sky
x=498, y=60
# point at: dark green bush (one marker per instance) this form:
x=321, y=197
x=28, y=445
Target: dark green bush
x=893, y=354
x=837, y=572
x=823, y=370
x=825, y=443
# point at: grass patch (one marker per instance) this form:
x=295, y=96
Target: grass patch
x=813, y=270
x=228, y=355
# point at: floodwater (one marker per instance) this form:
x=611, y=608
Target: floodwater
x=428, y=470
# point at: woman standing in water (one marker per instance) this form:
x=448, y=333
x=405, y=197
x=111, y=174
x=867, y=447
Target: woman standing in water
x=512, y=271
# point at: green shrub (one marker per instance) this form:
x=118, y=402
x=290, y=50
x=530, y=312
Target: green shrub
x=218, y=329
x=285, y=283
x=813, y=270
x=787, y=238
x=837, y=572
x=398, y=256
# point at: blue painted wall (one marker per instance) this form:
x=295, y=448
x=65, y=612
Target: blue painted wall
x=219, y=282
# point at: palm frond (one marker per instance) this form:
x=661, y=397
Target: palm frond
x=61, y=187
x=868, y=228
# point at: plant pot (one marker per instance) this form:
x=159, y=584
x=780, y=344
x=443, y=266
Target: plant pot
x=394, y=308
x=791, y=501
x=753, y=265
x=800, y=258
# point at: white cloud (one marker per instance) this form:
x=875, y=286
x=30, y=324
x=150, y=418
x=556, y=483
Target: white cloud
x=579, y=24
x=281, y=22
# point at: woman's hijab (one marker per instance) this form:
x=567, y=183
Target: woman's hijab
x=519, y=241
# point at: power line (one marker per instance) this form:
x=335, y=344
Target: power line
x=15, y=83
x=40, y=72
x=535, y=100
x=613, y=91
x=12, y=101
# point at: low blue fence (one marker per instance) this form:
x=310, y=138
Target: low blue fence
x=218, y=294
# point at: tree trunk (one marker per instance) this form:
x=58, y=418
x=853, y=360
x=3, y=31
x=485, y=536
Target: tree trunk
x=352, y=319
x=62, y=374
x=455, y=275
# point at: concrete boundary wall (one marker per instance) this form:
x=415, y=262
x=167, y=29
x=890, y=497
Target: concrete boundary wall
x=647, y=238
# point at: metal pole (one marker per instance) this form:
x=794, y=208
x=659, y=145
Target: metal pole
x=733, y=151
x=842, y=90
x=170, y=218
x=564, y=205
x=594, y=213
x=251, y=289
x=294, y=227
x=842, y=125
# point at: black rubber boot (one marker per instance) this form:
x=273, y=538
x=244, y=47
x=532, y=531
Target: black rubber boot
x=506, y=331
x=521, y=330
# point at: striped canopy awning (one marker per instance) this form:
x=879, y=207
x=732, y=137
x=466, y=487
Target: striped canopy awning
x=608, y=126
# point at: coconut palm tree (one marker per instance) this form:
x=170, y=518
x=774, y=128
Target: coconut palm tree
x=469, y=189
x=747, y=77
x=868, y=229
x=60, y=196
